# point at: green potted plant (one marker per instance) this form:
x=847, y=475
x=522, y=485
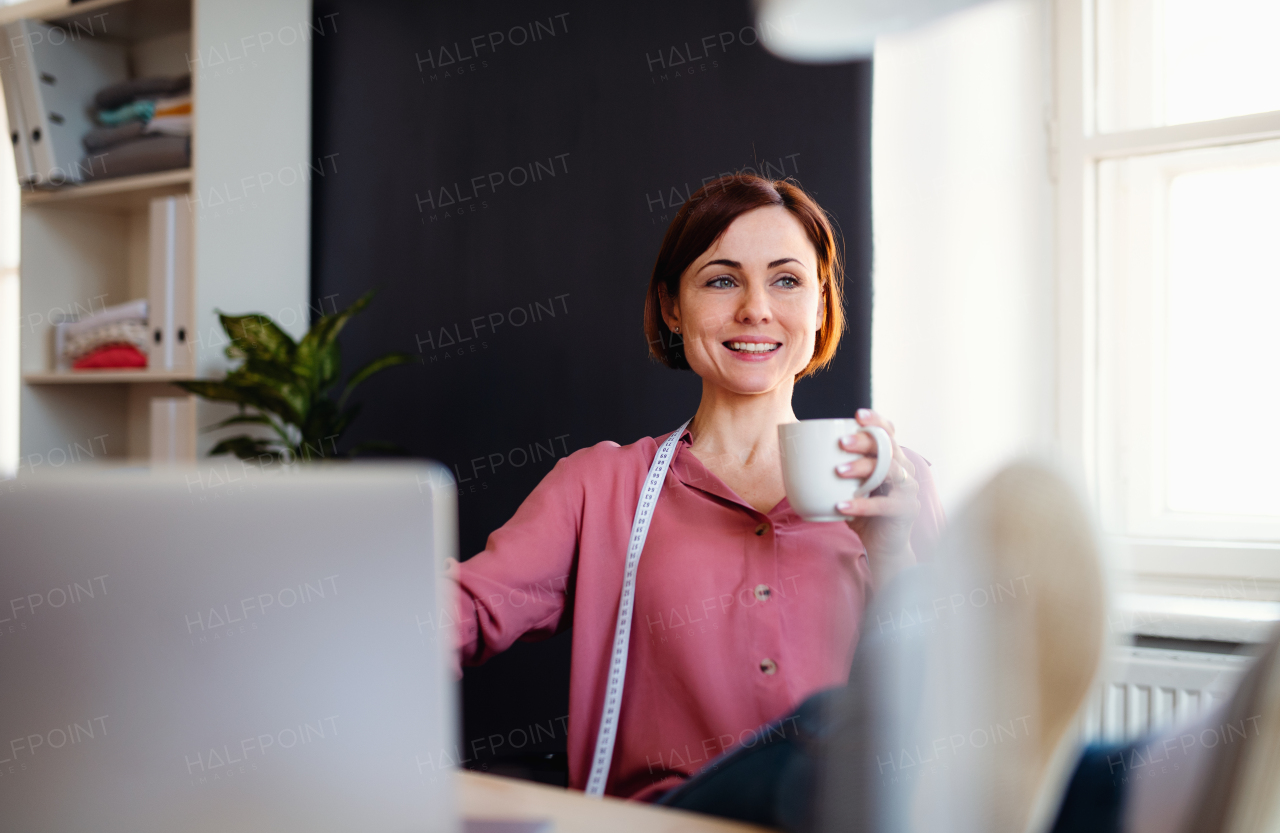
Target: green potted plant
x=288, y=387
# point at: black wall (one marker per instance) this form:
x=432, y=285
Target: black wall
x=503, y=173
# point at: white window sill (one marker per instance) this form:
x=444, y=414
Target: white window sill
x=1190, y=617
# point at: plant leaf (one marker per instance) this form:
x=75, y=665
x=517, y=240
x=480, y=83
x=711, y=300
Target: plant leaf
x=287, y=400
x=244, y=447
x=380, y=363
x=327, y=368
x=242, y=419
x=321, y=432
x=247, y=390
x=345, y=419
x=288, y=384
x=280, y=373
x=256, y=335
x=216, y=391
x=317, y=354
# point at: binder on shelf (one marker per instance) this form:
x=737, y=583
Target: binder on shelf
x=169, y=283
x=173, y=430
x=18, y=134
x=57, y=79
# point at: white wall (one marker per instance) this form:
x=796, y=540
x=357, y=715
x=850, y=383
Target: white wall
x=252, y=151
x=963, y=337
x=251, y=75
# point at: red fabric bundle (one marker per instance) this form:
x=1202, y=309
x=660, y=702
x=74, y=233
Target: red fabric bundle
x=111, y=355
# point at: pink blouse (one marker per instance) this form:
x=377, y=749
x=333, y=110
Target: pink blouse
x=740, y=615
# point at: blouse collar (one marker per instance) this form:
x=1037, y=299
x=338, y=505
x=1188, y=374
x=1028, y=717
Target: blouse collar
x=690, y=471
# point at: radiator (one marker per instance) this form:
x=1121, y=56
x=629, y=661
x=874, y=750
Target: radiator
x=1146, y=689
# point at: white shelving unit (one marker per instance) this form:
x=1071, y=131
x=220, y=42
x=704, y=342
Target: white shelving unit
x=84, y=247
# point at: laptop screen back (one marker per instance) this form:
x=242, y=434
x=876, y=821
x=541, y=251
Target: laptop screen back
x=213, y=650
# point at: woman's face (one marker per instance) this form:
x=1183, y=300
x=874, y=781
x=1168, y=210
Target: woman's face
x=750, y=306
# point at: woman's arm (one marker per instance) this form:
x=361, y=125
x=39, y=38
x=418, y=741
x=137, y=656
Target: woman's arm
x=519, y=586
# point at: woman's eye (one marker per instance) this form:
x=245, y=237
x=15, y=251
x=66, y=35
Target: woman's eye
x=722, y=282
x=787, y=281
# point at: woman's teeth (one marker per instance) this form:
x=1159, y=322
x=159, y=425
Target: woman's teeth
x=752, y=346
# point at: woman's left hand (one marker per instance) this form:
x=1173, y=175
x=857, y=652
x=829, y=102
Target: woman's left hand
x=882, y=519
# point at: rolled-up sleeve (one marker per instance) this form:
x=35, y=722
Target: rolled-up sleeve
x=519, y=587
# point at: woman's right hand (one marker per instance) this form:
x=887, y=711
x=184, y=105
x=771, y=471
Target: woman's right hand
x=883, y=519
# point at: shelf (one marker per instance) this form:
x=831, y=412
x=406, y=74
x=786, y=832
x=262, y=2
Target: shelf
x=108, y=377
x=122, y=19
x=89, y=245
x=37, y=9
x=122, y=193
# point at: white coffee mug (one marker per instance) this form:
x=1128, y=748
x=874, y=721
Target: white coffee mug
x=810, y=453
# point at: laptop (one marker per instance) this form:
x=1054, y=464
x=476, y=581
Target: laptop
x=226, y=648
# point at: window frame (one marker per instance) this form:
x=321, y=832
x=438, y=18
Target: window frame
x=1215, y=566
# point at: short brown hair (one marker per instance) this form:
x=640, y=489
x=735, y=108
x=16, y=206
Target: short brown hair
x=701, y=221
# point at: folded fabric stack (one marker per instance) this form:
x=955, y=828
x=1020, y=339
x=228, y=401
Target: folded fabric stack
x=114, y=337
x=145, y=127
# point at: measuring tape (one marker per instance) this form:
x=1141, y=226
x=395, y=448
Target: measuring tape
x=622, y=634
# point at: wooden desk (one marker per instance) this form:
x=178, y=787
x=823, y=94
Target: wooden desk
x=493, y=797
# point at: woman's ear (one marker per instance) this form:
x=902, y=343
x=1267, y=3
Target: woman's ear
x=670, y=308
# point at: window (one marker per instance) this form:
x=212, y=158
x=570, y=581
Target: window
x=1164, y=62
x=1168, y=142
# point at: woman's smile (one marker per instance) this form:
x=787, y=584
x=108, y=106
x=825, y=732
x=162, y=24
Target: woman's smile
x=752, y=348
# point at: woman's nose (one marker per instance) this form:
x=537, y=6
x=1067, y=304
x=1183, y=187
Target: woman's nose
x=755, y=307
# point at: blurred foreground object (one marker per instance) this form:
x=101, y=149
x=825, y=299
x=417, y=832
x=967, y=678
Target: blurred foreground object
x=287, y=384
x=967, y=679
x=1240, y=789
x=963, y=700
x=1216, y=774
x=971, y=671
x=828, y=31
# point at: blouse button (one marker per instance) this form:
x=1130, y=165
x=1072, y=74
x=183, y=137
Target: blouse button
x=762, y=592
x=768, y=666
x=762, y=529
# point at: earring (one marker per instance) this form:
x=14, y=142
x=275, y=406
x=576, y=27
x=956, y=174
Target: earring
x=677, y=329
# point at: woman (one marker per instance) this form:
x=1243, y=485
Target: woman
x=742, y=608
